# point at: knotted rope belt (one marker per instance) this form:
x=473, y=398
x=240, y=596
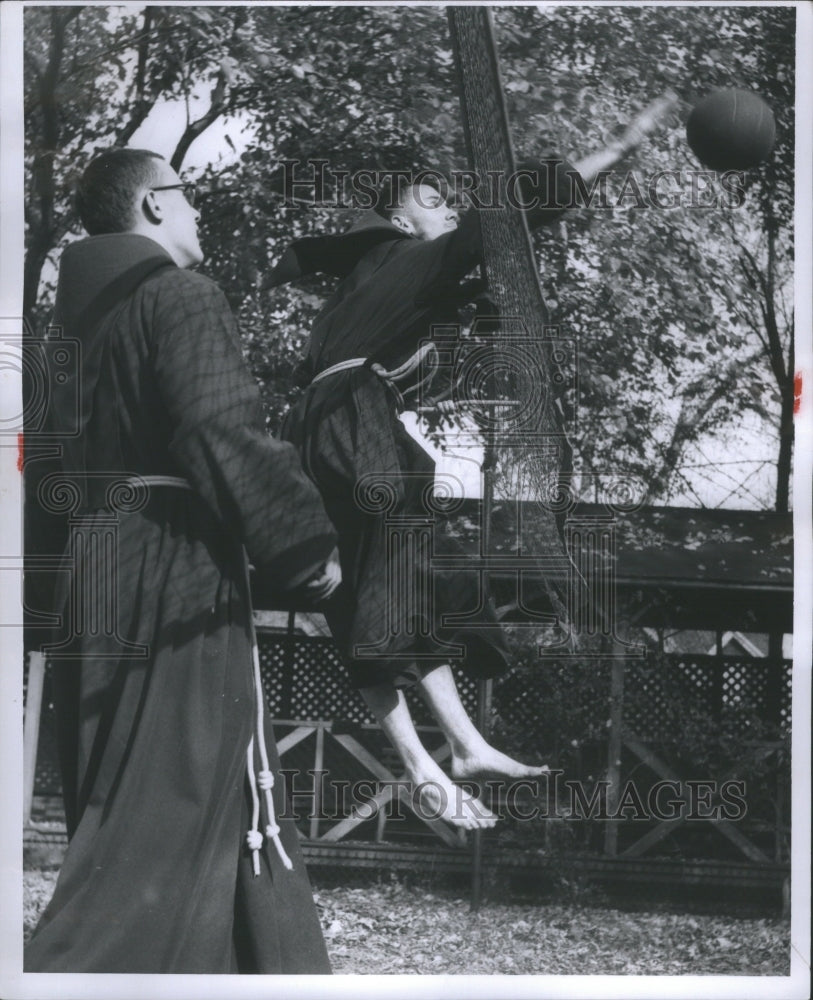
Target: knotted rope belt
x=176, y=481
x=264, y=778
x=394, y=375
x=428, y=351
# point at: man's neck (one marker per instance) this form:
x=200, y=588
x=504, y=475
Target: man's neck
x=155, y=234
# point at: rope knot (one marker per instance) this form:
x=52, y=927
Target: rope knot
x=264, y=778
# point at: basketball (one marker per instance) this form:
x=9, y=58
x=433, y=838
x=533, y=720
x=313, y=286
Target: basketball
x=731, y=130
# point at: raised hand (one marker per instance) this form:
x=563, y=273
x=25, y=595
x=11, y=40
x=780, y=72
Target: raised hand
x=653, y=115
x=322, y=585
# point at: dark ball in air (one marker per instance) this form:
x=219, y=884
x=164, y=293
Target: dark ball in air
x=731, y=129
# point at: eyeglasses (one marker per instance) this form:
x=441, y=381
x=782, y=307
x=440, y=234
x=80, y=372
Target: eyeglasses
x=188, y=187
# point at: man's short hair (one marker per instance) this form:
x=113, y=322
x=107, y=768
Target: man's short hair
x=108, y=187
x=395, y=186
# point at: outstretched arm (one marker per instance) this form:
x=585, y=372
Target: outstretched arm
x=646, y=123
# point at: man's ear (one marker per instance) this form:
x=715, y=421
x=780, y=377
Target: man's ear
x=403, y=223
x=151, y=208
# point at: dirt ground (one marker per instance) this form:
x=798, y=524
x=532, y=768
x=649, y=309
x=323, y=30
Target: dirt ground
x=391, y=927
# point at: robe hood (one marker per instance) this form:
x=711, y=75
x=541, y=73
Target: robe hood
x=90, y=266
x=95, y=275
x=336, y=255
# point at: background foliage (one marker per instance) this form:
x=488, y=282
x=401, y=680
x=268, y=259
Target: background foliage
x=682, y=316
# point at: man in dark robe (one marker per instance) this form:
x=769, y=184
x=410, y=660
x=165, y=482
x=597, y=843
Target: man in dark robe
x=401, y=267
x=160, y=710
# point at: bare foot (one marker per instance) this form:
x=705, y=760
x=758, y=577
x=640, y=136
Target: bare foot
x=488, y=762
x=435, y=796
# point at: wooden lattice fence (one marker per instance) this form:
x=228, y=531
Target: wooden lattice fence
x=661, y=692
x=671, y=704
x=304, y=679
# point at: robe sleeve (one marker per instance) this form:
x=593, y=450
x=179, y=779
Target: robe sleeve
x=332, y=255
x=546, y=188
x=253, y=483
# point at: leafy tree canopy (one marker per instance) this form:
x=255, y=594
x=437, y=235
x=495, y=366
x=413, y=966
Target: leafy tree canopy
x=681, y=312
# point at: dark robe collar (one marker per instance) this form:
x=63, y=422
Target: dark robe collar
x=91, y=269
x=336, y=255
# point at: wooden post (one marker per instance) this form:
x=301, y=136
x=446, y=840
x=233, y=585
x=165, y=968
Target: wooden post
x=774, y=680
x=318, y=767
x=380, y=826
x=779, y=813
x=775, y=643
x=484, y=687
x=31, y=728
x=614, y=748
x=484, y=691
x=286, y=695
x=717, y=679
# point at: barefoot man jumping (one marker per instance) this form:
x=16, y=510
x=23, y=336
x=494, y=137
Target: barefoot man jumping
x=401, y=267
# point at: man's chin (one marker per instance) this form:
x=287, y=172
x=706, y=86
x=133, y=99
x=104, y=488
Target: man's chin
x=439, y=233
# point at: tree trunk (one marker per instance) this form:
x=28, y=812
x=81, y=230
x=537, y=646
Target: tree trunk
x=34, y=260
x=41, y=221
x=783, y=462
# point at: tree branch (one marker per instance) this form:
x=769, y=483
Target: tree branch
x=764, y=286
x=693, y=410
x=143, y=105
x=219, y=105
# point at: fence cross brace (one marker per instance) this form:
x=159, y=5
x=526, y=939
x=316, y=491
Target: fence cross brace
x=665, y=827
x=381, y=799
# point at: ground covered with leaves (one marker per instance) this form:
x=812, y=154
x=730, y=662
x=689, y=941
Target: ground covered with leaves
x=392, y=927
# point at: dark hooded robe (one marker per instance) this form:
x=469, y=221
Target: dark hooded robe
x=157, y=708
x=395, y=292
